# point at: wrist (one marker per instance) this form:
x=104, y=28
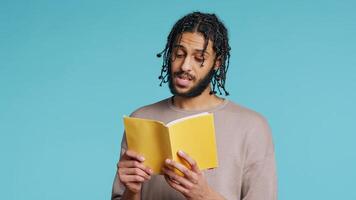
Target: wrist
x=131, y=195
x=213, y=195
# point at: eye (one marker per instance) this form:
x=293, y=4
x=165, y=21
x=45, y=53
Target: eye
x=180, y=55
x=199, y=59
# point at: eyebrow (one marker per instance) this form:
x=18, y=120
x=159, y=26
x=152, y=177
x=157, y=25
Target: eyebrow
x=199, y=50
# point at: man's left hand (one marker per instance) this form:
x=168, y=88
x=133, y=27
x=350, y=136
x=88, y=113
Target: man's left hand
x=192, y=184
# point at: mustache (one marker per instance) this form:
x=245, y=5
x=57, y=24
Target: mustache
x=183, y=74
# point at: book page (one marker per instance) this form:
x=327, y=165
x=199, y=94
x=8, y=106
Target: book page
x=185, y=118
x=196, y=137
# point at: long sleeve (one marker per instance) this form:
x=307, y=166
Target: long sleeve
x=259, y=174
x=118, y=188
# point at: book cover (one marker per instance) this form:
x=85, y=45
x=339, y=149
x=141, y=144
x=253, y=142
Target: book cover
x=157, y=141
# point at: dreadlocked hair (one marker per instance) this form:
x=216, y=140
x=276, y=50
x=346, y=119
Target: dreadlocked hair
x=212, y=29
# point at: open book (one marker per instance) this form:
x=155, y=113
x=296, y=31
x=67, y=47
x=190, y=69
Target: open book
x=156, y=141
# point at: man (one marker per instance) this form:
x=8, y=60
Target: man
x=195, y=62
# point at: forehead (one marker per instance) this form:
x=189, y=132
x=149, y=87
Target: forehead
x=194, y=42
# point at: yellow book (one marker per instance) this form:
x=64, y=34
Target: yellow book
x=156, y=141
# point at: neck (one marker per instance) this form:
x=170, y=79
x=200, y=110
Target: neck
x=201, y=102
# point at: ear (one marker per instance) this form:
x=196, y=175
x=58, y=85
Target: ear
x=218, y=63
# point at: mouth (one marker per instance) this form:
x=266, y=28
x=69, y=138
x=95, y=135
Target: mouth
x=183, y=80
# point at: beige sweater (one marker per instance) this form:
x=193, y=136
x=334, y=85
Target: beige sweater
x=247, y=167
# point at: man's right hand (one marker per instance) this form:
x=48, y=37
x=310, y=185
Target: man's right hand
x=131, y=171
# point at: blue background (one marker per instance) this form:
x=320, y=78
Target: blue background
x=69, y=70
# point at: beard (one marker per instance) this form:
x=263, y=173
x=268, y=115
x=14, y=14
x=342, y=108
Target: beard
x=196, y=90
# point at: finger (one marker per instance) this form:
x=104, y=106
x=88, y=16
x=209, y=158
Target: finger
x=190, y=160
x=177, y=179
x=133, y=155
x=134, y=164
x=134, y=171
x=171, y=179
x=132, y=178
x=187, y=172
x=176, y=186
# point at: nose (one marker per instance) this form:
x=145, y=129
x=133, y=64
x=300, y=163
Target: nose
x=187, y=64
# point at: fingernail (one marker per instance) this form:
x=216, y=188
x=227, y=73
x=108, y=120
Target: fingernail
x=151, y=171
x=168, y=161
x=181, y=152
x=141, y=158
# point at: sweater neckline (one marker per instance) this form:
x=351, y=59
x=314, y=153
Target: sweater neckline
x=175, y=108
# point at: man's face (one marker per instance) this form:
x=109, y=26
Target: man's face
x=189, y=78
